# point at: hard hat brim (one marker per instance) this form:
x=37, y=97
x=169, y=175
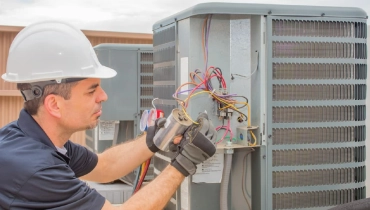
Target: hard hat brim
x=101, y=72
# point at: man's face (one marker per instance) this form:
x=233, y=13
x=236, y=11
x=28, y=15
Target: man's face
x=83, y=109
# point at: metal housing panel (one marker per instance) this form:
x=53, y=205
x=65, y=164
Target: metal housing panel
x=308, y=98
x=262, y=9
x=298, y=70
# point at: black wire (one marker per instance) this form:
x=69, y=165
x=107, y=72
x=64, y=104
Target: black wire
x=224, y=104
x=246, y=99
x=219, y=78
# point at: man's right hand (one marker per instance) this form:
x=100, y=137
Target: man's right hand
x=196, y=146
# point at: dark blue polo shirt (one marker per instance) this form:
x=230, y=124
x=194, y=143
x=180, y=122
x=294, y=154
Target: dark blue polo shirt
x=34, y=175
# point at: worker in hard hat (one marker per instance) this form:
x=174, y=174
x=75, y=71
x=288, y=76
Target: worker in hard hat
x=58, y=74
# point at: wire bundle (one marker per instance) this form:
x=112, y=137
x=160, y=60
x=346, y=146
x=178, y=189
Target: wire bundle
x=140, y=176
x=201, y=83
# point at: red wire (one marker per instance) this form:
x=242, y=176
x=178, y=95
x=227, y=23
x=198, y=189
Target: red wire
x=143, y=176
x=218, y=74
x=196, y=87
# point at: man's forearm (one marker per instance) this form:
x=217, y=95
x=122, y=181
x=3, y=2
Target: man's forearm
x=120, y=160
x=150, y=197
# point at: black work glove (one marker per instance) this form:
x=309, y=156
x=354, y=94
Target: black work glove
x=151, y=131
x=196, y=146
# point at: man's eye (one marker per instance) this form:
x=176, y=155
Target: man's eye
x=92, y=92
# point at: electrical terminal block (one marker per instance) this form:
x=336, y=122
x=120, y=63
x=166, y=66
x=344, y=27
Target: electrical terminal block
x=244, y=135
x=223, y=91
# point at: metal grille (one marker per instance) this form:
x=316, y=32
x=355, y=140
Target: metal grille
x=146, y=80
x=317, y=60
x=146, y=57
x=164, y=81
x=312, y=28
x=318, y=114
x=164, y=64
x=164, y=92
x=318, y=135
x=318, y=177
x=164, y=36
x=145, y=103
x=318, y=92
x=146, y=91
x=316, y=199
x=319, y=71
x=146, y=68
x=165, y=54
x=164, y=74
x=299, y=157
x=318, y=50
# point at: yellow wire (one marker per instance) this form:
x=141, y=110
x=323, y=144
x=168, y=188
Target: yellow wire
x=223, y=101
x=197, y=93
x=186, y=114
x=255, y=139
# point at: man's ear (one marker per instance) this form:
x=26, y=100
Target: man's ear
x=52, y=105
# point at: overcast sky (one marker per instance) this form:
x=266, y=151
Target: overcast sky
x=123, y=15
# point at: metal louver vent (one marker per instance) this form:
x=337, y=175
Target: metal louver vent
x=318, y=92
x=319, y=71
x=316, y=198
x=145, y=102
x=146, y=80
x=319, y=50
x=146, y=68
x=164, y=81
x=317, y=60
x=317, y=28
x=300, y=157
x=163, y=92
x=146, y=91
x=164, y=64
x=146, y=57
x=318, y=135
x=164, y=36
x=318, y=114
x=165, y=54
x=164, y=74
x=318, y=177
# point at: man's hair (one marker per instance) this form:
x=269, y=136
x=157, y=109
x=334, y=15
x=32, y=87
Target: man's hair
x=62, y=89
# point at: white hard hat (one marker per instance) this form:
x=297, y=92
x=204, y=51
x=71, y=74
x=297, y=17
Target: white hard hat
x=52, y=50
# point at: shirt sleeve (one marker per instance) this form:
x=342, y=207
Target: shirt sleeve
x=57, y=188
x=82, y=160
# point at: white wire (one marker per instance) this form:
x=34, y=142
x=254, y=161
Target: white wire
x=248, y=76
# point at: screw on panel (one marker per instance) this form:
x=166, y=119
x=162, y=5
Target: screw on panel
x=322, y=14
x=264, y=157
x=270, y=136
x=269, y=12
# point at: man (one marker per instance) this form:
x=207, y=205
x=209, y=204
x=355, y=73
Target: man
x=58, y=74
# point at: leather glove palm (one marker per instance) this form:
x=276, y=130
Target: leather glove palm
x=196, y=146
x=151, y=131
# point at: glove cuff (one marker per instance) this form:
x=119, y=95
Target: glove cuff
x=184, y=165
x=149, y=139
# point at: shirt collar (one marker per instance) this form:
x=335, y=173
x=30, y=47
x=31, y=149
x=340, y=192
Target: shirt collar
x=30, y=127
